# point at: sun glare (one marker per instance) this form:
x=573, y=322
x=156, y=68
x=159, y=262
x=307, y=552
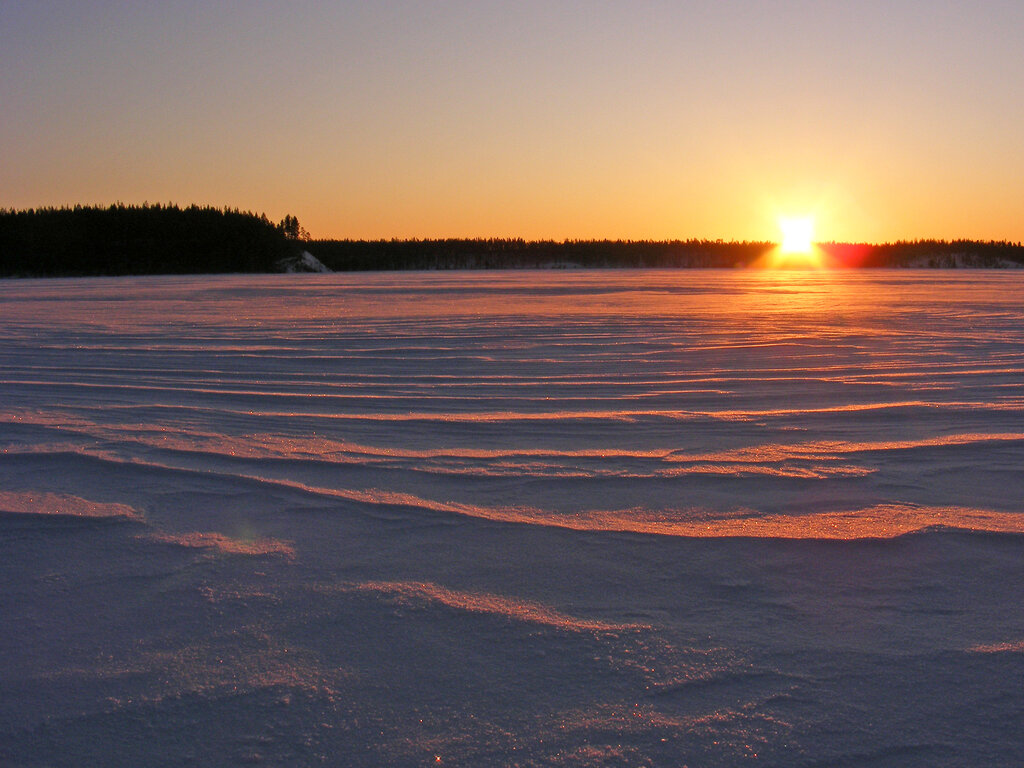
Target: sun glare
x=797, y=249
x=797, y=235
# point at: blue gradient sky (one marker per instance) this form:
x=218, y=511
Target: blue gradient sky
x=885, y=120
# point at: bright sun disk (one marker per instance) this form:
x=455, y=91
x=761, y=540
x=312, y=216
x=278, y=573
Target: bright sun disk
x=797, y=234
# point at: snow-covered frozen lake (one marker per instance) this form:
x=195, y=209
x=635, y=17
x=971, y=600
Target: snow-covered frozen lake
x=515, y=518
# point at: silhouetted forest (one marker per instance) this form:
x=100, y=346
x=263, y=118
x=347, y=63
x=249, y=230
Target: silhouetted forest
x=166, y=239
x=936, y=254
x=344, y=255
x=141, y=240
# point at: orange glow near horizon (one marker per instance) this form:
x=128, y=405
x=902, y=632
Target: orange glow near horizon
x=517, y=121
x=812, y=258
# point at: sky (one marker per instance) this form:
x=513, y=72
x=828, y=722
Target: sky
x=625, y=120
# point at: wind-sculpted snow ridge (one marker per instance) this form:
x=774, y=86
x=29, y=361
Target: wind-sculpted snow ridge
x=1012, y=647
x=63, y=506
x=879, y=522
x=225, y=544
x=476, y=602
x=876, y=522
x=475, y=519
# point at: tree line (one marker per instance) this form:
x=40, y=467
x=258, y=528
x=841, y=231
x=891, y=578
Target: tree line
x=514, y=253
x=941, y=254
x=146, y=239
x=165, y=239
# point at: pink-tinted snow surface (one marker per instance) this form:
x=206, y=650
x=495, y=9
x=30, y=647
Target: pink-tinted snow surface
x=702, y=518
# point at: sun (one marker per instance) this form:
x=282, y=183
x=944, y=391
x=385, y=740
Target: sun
x=797, y=234
x=797, y=250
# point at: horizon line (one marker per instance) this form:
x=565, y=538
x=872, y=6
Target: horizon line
x=509, y=238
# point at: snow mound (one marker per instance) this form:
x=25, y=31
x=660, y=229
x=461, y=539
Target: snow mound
x=306, y=262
